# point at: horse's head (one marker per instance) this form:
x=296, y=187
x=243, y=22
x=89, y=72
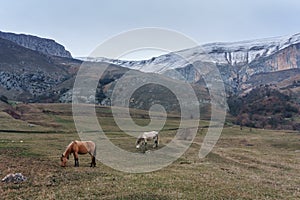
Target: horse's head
x=140, y=141
x=63, y=160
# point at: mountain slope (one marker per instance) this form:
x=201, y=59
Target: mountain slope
x=30, y=76
x=236, y=61
x=250, y=70
x=261, y=77
x=26, y=74
x=43, y=45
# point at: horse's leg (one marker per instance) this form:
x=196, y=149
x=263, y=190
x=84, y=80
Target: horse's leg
x=155, y=143
x=76, y=159
x=145, y=145
x=93, y=163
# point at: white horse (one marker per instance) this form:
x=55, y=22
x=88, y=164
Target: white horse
x=144, y=137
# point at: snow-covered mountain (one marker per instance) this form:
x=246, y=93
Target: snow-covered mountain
x=237, y=62
x=233, y=53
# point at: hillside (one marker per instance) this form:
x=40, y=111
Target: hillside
x=240, y=63
x=266, y=107
x=31, y=76
x=248, y=68
x=26, y=74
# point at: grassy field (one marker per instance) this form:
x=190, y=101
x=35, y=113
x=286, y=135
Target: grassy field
x=257, y=164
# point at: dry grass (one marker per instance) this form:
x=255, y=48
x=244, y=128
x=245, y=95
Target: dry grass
x=261, y=164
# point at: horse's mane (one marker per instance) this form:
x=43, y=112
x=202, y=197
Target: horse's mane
x=68, y=147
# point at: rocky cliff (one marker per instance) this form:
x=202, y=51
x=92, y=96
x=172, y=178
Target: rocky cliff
x=28, y=75
x=238, y=62
x=43, y=45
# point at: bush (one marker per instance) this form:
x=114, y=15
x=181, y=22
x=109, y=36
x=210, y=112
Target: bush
x=4, y=99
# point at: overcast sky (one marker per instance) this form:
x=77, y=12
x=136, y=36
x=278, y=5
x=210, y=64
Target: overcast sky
x=81, y=25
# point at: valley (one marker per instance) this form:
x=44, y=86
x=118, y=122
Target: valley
x=256, y=164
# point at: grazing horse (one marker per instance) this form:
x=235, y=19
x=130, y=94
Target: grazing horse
x=144, y=137
x=79, y=147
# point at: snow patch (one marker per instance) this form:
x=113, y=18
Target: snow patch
x=233, y=53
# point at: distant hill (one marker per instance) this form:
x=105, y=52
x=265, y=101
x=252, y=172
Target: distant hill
x=247, y=68
x=243, y=65
x=43, y=45
x=27, y=74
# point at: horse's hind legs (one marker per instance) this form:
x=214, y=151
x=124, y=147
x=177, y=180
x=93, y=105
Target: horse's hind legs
x=144, y=149
x=93, y=163
x=155, y=145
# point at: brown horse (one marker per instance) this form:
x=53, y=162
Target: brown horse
x=79, y=147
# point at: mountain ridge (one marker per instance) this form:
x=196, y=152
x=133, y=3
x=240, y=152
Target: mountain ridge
x=237, y=61
x=43, y=45
x=274, y=44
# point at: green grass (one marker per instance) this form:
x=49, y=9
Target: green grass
x=261, y=164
